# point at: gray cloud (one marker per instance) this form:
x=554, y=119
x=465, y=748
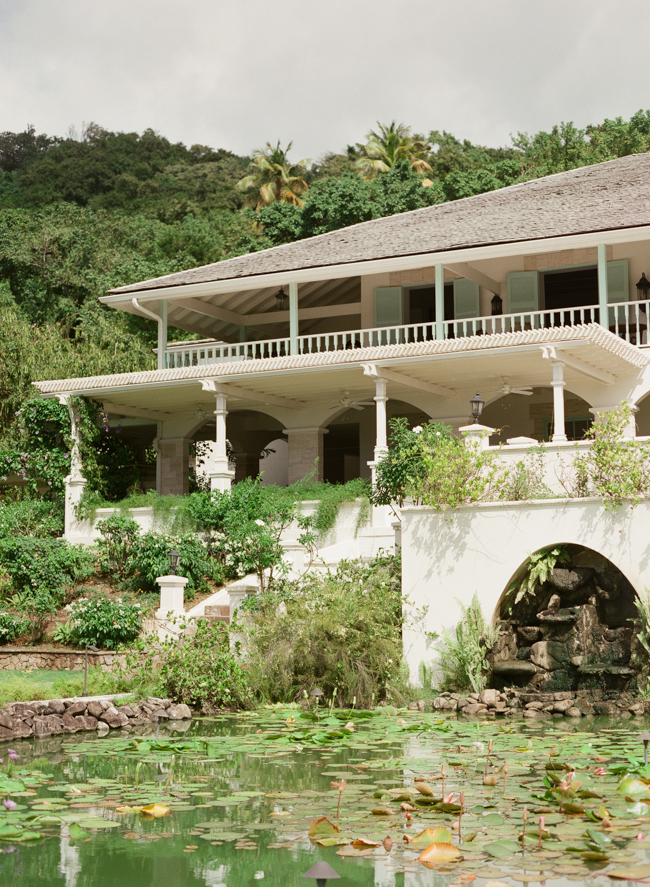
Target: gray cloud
x=320, y=72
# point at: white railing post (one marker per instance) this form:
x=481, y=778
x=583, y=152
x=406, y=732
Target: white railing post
x=602, y=286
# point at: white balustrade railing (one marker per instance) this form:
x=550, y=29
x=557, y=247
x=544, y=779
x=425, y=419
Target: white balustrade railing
x=191, y=356
x=629, y=320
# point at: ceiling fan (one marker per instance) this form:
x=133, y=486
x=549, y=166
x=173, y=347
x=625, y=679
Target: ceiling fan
x=511, y=389
x=348, y=403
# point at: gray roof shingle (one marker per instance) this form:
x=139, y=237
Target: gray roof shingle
x=610, y=195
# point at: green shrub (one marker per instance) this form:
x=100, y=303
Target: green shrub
x=105, y=623
x=340, y=631
x=464, y=652
x=31, y=517
x=149, y=559
x=10, y=627
x=45, y=565
x=118, y=536
x=64, y=634
x=202, y=672
x=38, y=607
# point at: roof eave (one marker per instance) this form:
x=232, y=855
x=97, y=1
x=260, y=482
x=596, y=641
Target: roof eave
x=409, y=262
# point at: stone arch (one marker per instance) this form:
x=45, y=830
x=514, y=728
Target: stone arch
x=572, y=631
x=445, y=562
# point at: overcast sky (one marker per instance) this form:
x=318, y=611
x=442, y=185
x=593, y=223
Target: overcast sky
x=237, y=73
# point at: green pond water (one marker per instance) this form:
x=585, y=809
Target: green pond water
x=242, y=792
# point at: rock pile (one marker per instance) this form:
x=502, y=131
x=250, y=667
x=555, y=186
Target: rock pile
x=583, y=703
x=22, y=719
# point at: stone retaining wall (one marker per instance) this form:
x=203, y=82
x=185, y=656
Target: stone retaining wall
x=577, y=704
x=19, y=720
x=55, y=659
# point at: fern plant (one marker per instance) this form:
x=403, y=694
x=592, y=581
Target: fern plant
x=464, y=652
x=540, y=566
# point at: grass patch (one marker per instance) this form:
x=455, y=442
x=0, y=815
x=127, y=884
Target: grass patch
x=18, y=686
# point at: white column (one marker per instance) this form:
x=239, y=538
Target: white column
x=75, y=530
x=293, y=317
x=603, y=296
x=162, y=335
x=440, y=301
x=558, y=384
x=172, y=610
x=221, y=476
x=381, y=434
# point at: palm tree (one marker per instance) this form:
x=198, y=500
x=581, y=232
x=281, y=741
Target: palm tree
x=386, y=147
x=273, y=177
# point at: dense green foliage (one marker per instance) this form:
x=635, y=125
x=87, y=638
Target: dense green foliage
x=202, y=672
x=105, y=623
x=339, y=631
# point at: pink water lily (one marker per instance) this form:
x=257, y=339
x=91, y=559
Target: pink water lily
x=451, y=798
x=600, y=771
x=9, y=804
x=12, y=755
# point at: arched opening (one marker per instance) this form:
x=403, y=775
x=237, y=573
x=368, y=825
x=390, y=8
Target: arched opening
x=274, y=463
x=643, y=416
x=350, y=440
x=250, y=433
x=566, y=622
x=522, y=415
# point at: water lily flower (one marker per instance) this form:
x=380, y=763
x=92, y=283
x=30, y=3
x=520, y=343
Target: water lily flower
x=9, y=804
x=640, y=837
x=13, y=755
x=600, y=771
x=451, y=798
x=478, y=745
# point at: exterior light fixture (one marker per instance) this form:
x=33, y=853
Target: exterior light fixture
x=643, y=288
x=173, y=557
x=281, y=297
x=645, y=739
x=477, y=404
x=317, y=694
x=92, y=649
x=497, y=304
x=321, y=872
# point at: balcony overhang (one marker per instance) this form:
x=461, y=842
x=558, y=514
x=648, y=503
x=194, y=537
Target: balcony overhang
x=452, y=366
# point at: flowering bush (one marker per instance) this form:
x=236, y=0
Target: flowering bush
x=10, y=627
x=104, y=622
x=44, y=565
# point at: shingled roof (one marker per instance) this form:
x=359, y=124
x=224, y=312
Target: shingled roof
x=611, y=195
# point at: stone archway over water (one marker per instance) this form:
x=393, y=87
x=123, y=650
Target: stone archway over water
x=571, y=629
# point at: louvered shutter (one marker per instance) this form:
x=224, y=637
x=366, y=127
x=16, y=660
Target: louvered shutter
x=389, y=306
x=522, y=290
x=618, y=289
x=466, y=299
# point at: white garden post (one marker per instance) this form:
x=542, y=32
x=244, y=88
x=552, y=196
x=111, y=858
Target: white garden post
x=172, y=590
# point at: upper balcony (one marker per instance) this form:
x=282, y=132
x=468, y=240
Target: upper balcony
x=629, y=320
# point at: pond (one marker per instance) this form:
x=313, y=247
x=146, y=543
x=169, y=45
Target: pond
x=235, y=799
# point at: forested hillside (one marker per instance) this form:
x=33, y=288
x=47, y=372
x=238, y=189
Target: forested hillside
x=91, y=211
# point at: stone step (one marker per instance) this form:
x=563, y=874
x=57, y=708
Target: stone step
x=219, y=610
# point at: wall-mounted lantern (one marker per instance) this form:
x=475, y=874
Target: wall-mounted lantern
x=643, y=288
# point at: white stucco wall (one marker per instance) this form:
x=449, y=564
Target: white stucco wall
x=447, y=556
